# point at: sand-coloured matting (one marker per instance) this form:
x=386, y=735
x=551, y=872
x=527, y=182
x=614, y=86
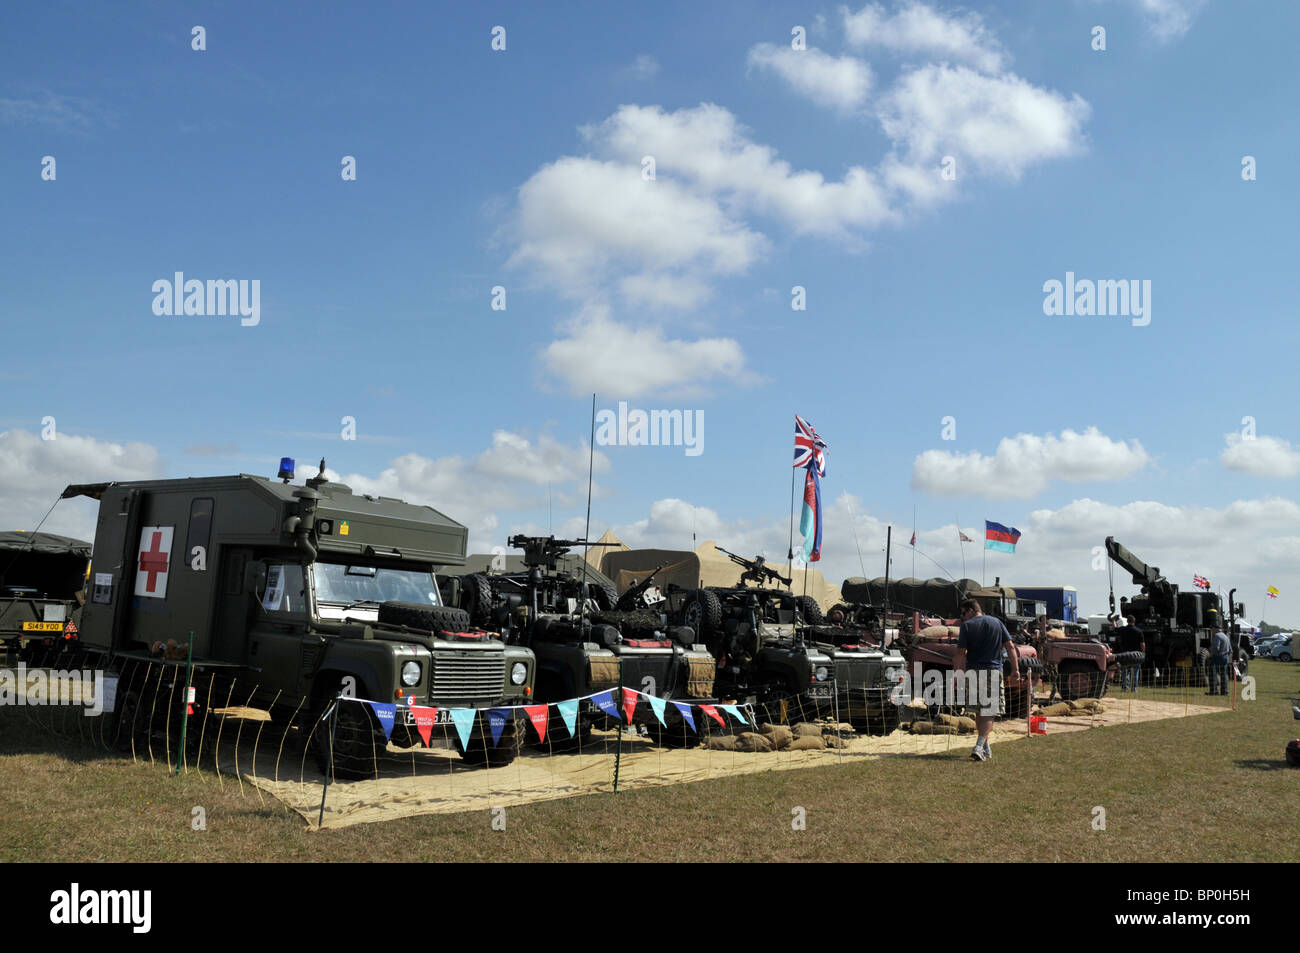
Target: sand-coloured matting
x=436, y=781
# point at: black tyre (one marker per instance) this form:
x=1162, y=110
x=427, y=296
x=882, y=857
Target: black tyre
x=357, y=740
x=702, y=611
x=482, y=753
x=1131, y=658
x=879, y=719
x=812, y=612
x=1080, y=680
x=1020, y=700
x=476, y=598
x=1284, y=657
x=416, y=616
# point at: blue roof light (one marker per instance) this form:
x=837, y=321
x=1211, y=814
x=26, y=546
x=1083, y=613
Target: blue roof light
x=286, y=469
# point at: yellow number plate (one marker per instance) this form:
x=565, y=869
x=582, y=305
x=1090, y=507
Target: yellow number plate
x=42, y=626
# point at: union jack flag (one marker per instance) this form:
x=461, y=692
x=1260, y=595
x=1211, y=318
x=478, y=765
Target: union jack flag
x=1200, y=582
x=808, y=447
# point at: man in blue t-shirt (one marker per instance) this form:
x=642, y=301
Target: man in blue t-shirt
x=979, y=648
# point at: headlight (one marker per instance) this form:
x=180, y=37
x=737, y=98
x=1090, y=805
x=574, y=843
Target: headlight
x=518, y=673
x=821, y=673
x=411, y=674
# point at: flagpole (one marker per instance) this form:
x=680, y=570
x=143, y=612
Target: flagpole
x=962, y=544
x=984, y=560
x=789, y=563
x=913, y=540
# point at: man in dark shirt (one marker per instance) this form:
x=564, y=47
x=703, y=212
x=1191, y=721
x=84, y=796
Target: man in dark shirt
x=1131, y=639
x=979, y=648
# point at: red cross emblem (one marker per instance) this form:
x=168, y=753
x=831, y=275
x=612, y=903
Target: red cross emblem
x=153, y=561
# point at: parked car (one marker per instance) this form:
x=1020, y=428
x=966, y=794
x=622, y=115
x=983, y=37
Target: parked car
x=1283, y=649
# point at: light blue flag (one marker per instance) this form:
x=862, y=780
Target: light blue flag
x=464, y=719
x=386, y=715
x=686, y=714
x=658, y=705
x=497, y=722
x=569, y=712
x=735, y=712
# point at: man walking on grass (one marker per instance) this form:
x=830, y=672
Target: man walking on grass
x=979, y=648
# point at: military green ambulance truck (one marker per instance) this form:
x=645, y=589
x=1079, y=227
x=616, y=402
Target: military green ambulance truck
x=297, y=593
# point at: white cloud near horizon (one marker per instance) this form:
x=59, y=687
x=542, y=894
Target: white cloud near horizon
x=1261, y=456
x=1024, y=465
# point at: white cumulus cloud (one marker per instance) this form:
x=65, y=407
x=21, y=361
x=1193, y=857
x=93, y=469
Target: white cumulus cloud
x=600, y=355
x=1261, y=456
x=1025, y=464
x=918, y=28
x=841, y=82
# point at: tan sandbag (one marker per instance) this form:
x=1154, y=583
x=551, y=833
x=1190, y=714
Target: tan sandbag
x=753, y=741
x=963, y=724
x=932, y=728
x=807, y=743
x=806, y=729
x=779, y=735
x=722, y=743
x=939, y=632
x=1057, y=710
x=832, y=741
x=1056, y=633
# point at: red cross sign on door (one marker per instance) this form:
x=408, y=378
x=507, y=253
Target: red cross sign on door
x=155, y=557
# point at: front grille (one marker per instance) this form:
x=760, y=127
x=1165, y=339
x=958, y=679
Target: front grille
x=468, y=677
x=863, y=673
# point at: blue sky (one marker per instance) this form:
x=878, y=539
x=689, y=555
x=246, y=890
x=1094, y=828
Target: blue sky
x=522, y=169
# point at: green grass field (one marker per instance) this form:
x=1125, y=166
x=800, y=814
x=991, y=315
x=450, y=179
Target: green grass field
x=1205, y=788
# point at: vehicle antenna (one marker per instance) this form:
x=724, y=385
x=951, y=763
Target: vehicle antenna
x=586, y=535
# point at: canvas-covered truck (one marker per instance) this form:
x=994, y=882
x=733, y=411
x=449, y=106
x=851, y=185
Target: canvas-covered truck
x=296, y=594
x=42, y=587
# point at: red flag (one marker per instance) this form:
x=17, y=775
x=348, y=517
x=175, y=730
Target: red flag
x=913, y=537
x=537, y=715
x=713, y=713
x=629, y=703
x=424, y=718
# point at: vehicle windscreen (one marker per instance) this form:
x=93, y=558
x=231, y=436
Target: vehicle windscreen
x=364, y=587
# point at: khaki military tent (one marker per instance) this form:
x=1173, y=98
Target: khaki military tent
x=704, y=566
x=596, y=554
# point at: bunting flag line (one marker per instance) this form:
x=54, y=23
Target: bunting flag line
x=713, y=713
x=735, y=713
x=387, y=715
x=629, y=702
x=424, y=721
x=685, y=709
x=605, y=702
x=537, y=715
x=426, y=717
x=497, y=722
x=463, y=719
x=569, y=712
